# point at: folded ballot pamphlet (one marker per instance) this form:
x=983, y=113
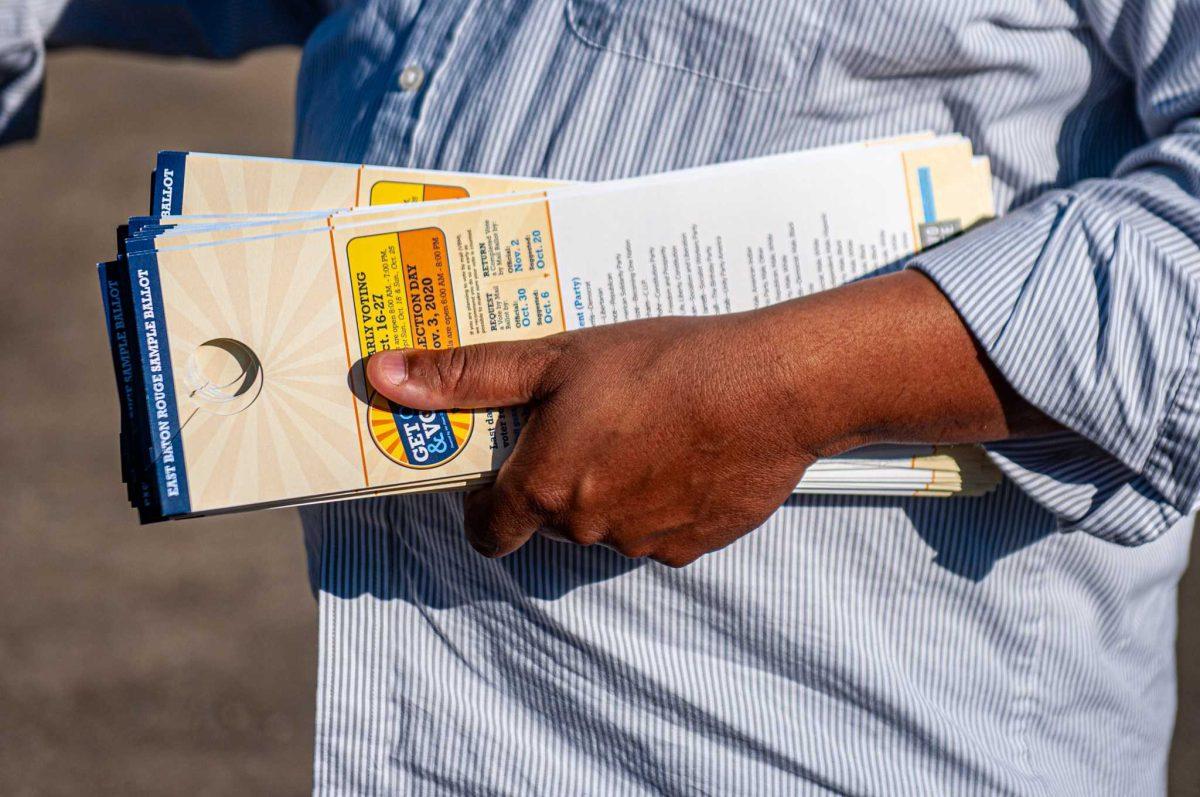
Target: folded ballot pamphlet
x=241, y=310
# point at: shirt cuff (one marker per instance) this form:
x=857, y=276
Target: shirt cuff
x=1093, y=325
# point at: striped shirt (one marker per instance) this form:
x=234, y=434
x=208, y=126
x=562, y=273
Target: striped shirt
x=1016, y=643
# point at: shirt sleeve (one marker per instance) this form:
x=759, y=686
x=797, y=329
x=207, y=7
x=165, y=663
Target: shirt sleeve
x=203, y=28
x=1088, y=301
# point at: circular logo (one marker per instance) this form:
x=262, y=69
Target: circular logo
x=417, y=439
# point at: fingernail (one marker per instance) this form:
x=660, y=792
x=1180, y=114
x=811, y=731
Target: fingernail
x=391, y=367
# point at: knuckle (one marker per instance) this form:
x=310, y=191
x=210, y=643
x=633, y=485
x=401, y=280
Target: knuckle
x=675, y=558
x=548, y=500
x=589, y=491
x=545, y=359
x=586, y=534
x=635, y=550
x=451, y=368
x=554, y=346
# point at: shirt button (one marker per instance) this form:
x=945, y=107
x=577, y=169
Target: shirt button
x=411, y=78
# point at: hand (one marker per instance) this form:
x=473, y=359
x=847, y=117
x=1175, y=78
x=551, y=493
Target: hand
x=670, y=438
x=663, y=438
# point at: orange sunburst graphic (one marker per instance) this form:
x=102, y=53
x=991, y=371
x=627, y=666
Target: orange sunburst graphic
x=415, y=439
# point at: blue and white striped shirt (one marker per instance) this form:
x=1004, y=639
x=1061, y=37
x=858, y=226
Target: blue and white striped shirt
x=1014, y=643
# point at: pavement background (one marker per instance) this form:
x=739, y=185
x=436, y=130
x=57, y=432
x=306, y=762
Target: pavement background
x=179, y=658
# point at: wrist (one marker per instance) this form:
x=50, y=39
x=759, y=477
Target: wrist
x=887, y=360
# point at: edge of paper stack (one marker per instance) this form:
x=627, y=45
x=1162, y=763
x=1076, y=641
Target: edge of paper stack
x=240, y=310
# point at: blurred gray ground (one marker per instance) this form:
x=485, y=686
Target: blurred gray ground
x=179, y=658
x=172, y=659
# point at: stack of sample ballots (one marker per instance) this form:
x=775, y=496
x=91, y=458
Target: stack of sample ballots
x=240, y=313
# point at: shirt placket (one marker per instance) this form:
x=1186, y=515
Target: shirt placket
x=419, y=79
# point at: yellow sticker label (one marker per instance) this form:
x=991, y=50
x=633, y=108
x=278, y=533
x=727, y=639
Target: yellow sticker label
x=380, y=301
x=388, y=192
x=402, y=291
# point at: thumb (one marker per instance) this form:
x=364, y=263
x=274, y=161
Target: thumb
x=484, y=375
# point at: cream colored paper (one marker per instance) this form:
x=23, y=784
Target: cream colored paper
x=312, y=302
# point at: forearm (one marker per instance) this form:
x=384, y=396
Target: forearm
x=889, y=360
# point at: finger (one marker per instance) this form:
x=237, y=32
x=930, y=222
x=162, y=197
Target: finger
x=499, y=521
x=583, y=530
x=484, y=375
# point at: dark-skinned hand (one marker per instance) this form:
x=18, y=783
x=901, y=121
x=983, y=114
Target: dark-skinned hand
x=670, y=438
